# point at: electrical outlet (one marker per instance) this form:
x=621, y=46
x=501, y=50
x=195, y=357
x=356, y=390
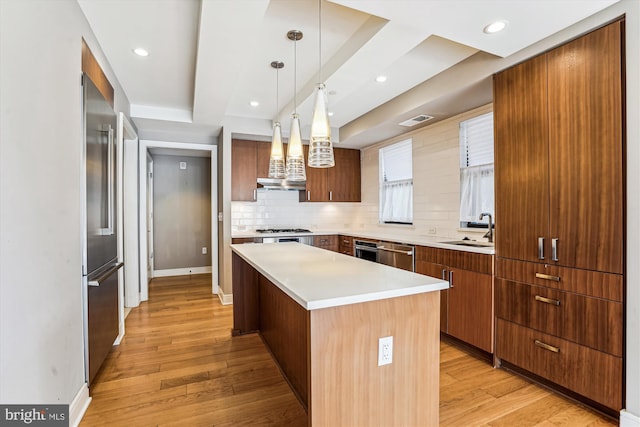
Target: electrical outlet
x=204, y=250
x=385, y=351
x=431, y=231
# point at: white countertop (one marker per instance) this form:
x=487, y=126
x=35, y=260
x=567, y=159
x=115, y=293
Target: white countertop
x=316, y=278
x=436, y=242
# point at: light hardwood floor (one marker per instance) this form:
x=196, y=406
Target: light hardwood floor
x=179, y=366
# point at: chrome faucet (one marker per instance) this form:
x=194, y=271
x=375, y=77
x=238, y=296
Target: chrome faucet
x=489, y=234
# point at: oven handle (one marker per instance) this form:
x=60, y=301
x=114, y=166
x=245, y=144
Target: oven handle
x=382, y=248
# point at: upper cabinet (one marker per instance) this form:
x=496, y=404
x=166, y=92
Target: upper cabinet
x=244, y=170
x=249, y=161
x=340, y=183
x=559, y=155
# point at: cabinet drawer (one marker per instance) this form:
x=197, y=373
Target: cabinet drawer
x=586, y=282
x=593, y=322
x=346, y=245
x=470, y=261
x=591, y=373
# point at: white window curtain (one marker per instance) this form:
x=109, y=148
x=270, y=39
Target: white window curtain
x=396, y=182
x=396, y=201
x=476, y=192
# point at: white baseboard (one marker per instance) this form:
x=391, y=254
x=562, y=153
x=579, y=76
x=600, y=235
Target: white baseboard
x=79, y=406
x=225, y=299
x=627, y=419
x=182, y=271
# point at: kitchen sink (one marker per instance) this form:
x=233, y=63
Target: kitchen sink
x=470, y=243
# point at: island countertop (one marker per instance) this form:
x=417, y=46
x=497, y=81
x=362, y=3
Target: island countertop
x=316, y=278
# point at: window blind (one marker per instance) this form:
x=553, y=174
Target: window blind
x=476, y=141
x=396, y=161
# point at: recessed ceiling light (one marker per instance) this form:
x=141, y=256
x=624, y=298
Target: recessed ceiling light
x=140, y=51
x=254, y=103
x=381, y=79
x=495, y=27
x=330, y=113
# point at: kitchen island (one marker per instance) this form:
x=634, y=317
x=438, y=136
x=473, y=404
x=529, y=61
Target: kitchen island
x=321, y=315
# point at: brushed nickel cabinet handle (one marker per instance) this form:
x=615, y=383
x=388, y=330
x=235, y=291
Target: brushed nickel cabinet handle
x=308, y=195
x=546, y=346
x=554, y=249
x=541, y=247
x=450, y=279
x=330, y=196
x=255, y=194
x=444, y=274
x=547, y=277
x=547, y=300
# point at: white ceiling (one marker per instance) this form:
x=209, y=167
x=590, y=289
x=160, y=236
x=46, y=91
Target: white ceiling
x=210, y=58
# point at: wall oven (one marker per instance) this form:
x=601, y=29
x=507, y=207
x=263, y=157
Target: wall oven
x=366, y=250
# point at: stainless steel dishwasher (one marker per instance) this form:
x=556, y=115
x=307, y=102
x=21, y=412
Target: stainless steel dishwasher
x=396, y=255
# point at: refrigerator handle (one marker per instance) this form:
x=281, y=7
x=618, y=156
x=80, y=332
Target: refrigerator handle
x=110, y=181
x=104, y=276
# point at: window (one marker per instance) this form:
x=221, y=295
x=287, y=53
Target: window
x=396, y=183
x=476, y=169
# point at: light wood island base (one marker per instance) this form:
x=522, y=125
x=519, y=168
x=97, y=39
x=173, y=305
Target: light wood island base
x=330, y=355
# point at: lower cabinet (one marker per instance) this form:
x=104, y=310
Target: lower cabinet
x=564, y=325
x=576, y=367
x=346, y=245
x=466, y=308
x=329, y=242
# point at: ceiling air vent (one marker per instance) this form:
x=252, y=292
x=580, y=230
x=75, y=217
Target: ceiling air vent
x=416, y=120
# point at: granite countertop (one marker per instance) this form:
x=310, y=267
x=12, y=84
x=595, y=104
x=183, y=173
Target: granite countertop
x=316, y=278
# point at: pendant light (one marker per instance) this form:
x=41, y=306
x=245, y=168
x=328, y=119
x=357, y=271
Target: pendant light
x=295, y=155
x=276, y=160
x=320, y=147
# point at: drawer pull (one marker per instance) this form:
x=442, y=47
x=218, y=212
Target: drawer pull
x=546, y=346
x=547, y=300
x=547, y=277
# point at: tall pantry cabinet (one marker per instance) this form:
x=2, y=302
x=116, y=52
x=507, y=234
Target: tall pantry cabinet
x=559, y=174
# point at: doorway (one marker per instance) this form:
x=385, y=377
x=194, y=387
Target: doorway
x=147, y=216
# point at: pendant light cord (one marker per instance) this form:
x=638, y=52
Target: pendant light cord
x=320, y=41
x=295, y=72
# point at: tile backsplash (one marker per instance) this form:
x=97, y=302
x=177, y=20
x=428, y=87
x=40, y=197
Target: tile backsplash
x=282, y=209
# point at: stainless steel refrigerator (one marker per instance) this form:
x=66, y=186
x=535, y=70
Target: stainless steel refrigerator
x=100, y=263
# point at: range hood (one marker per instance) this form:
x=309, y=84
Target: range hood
x=281, y=184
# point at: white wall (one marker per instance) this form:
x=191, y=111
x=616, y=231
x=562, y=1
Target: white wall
x=41, y=355
x=436, y=181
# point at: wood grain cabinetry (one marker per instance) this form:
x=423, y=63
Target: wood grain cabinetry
x=244, y=170
x=346, y=245
x=340, y=183
x=559, y=173
x=558, y=155
x=329, y=242
x=249, y=161
x=466, y=308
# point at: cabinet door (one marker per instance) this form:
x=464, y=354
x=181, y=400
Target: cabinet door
x=243, y=170
x=316, y=183
x=470, y=316
x=263, y=156
x=586, y=147
x=438, y=271
x=343, y=180
x=521, y=153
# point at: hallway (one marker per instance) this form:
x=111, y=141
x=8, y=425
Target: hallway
x=177, y=367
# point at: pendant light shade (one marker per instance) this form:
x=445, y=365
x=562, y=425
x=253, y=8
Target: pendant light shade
x=295, y=155
x=320, y=147
x=276, y=159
